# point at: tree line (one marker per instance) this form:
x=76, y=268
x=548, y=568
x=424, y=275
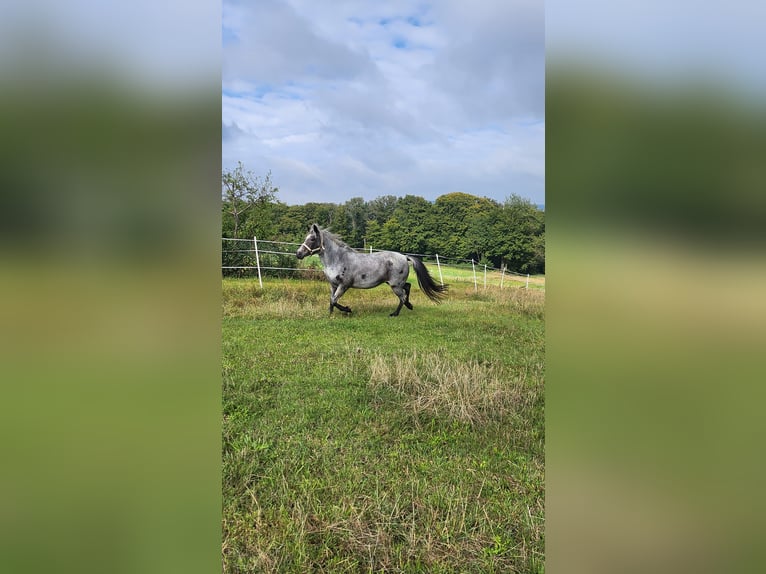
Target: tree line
x=456, y=225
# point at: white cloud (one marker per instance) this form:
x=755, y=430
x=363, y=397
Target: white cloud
x=355, y=98
x=272, y=44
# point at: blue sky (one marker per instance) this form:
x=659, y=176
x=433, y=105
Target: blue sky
x=356, y=98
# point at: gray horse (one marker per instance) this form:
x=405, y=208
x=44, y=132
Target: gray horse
x=345, y=268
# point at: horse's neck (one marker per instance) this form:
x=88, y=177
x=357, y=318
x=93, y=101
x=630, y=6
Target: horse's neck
x=332, y=249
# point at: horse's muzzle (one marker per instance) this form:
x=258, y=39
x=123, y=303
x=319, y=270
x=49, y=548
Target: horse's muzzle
x=299, y=254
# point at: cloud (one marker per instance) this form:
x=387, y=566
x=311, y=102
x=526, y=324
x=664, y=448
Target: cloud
x=355, y=98
x=269, y=42
x=230, y=132
x=493, y=67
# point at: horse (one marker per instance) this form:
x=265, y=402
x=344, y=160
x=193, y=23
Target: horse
x=346, y=268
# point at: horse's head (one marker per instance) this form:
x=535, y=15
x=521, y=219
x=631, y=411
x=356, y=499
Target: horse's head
x=312, y=244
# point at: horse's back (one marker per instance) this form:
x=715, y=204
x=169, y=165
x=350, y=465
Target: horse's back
x=371, y=269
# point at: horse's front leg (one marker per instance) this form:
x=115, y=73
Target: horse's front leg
x=336, y=292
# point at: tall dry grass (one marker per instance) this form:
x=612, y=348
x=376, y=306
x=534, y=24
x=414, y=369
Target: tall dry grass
x=470, y=392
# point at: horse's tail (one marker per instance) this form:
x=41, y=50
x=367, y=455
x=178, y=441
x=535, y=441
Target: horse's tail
x=431, y=288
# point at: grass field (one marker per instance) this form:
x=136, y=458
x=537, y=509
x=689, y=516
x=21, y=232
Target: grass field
x=494, y=278
x=365, y=443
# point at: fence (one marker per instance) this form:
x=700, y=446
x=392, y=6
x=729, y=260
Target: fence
x=277, y=257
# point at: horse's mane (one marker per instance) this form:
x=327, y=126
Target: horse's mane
x=336, y=239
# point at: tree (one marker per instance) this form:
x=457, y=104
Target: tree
x=411, y=225
x=241, y=191
x=519, y=233
x=319, y=213
x=355, y=211
x=374, y=234
x=290, y=222
x=461, y=233
x=381, y=208
x=481, y=237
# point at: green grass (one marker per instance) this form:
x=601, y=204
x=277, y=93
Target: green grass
x=365, y=443
x=464, y=274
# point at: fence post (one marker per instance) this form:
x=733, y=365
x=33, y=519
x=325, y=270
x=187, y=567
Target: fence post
x=485, y=276
x=527, y=280
x=502, y=276
x=475, y=286
x=441, y=279
x=258, y=262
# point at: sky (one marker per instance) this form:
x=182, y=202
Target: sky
x=353, y=98
x=667, y=40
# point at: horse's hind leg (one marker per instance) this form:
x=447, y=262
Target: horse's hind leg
x=407, y=287
x=403, y=294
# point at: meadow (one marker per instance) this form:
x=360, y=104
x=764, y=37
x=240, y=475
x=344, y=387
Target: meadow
x=493, y=278
x=365, y=443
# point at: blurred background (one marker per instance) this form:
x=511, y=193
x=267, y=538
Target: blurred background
x=655, y=154
x=109, y=286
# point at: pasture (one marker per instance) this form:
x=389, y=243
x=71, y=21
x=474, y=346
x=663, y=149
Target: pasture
x=365, y=443
x=463, y=274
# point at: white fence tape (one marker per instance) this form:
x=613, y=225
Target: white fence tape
x=440, y=261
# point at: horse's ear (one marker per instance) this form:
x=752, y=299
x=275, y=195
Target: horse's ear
x=315, y=229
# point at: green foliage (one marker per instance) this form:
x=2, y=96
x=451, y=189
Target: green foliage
x=355, y=213
x=456, y=226
x=247, y=200
x=519, y=229
x=409, y=229
x=382, y=208
x=463, y=230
